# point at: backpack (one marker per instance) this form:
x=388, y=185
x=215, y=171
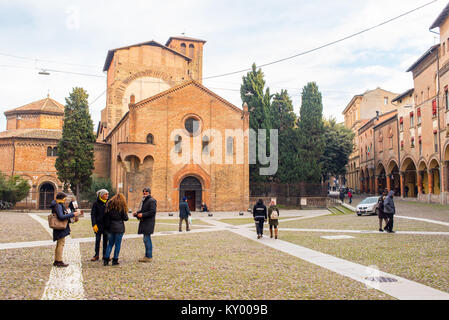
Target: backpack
x=274, y=215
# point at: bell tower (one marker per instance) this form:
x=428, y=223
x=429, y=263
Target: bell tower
x=192, y=48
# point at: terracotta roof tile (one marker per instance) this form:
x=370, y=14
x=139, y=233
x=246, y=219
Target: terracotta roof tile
x=46, y=105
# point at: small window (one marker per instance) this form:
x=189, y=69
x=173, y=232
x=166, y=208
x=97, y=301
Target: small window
x=183, y=48
x=55, y=152
x=150, y=139
x=191, y=50
x=412, y=121
x=49, y=151
x=230, y=145
x=385, y=100
x=420, y=146
x=205, y=144
x=446, y=98
x=178, y=142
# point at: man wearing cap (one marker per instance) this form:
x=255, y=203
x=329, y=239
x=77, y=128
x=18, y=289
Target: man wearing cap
x=97, y=217
x=184, y=214
x=147, y=219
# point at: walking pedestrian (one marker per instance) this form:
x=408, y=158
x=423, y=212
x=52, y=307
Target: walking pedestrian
x=260, y=216
x=342, y=196
x=381, y=212
x=184, y=214
x=97, y=218
x=147, y=220
x=350, y=196
x=390, y=210
x=114, y=222
x=57, y=206
x=273, y=219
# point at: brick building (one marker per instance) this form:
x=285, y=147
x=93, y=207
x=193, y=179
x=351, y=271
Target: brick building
x=157, y=112
x=29, y=147
x=415, y=162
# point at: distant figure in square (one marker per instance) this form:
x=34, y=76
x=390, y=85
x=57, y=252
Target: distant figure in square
x=350, y=196
x=273, y=219
x=146, y=214
x=184, y=214
x=380, y=209
x=204, y=207
x=260, y=216
x=390, y=210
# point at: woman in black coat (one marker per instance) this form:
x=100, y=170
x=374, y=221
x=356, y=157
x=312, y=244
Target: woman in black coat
x=147, y=217
x=59, y=235
x=114, y=222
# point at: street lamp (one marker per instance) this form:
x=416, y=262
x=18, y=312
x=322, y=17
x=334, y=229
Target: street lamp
x=44, y=72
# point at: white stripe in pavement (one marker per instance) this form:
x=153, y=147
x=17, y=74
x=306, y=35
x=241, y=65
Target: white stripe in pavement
x=425, y=220
x=432, y=233
x=64, y=283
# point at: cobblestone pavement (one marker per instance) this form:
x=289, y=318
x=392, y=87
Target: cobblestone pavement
x=212, y=263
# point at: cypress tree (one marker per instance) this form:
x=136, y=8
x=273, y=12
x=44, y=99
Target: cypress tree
x=253, y=92
x=310, y=134
x=75, y=161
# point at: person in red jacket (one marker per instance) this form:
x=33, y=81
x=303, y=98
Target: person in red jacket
x=350, y=196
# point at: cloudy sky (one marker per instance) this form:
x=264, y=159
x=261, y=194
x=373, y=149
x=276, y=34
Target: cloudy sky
x=74, y=37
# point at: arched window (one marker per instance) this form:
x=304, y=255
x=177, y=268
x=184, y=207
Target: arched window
x=229, y=145
x=55, y=152
x=191, y=50
x=150, y=138
x=183, y=48
x=178, y=141
x=206, y=141
x=49, y=152
x=132, y=99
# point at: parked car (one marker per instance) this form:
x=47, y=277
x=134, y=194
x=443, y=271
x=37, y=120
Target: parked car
x=367, y=206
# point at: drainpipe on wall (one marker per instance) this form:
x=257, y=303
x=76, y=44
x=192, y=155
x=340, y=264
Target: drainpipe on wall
x=399, y=148
x=13, y=155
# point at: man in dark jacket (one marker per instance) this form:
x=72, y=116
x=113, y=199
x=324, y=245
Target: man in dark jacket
x=97, y=217
x=147, y=217
x=260, y=216
x=184, y=214
x=389, y=210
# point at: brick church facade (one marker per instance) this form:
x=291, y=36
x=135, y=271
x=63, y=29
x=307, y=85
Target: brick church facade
x=160, y=128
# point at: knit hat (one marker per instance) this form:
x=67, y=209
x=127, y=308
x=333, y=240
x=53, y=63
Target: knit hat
x=61, y=195
x=184, y=199
x=102, y=192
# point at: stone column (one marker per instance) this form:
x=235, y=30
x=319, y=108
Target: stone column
x=402, y=183
x=372, y=185
x=430, y=179
x=445, y=177
x=419, y=179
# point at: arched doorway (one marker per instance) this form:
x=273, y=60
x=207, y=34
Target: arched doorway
x=410, y=179
x=46, y=195
x=191, y=188
x=434, y=177
x=395, y=178
x=382, y=179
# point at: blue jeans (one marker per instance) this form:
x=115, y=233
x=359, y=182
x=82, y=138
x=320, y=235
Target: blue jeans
x=148, y=245
x=114, y=239
x=259, y=226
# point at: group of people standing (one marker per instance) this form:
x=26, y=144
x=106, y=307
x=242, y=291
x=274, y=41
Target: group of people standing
x=386, y=211
x=261, y=213
x=108, y=218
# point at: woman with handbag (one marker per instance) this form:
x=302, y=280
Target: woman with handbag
x=114, y=222
x=57, y=207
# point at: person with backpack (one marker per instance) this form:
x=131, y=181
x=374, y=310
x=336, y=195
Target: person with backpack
x=380, y=209
x=260, y=216
x=273, y=219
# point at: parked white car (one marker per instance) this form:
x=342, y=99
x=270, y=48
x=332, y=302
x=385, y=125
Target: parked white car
x=367, y=206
